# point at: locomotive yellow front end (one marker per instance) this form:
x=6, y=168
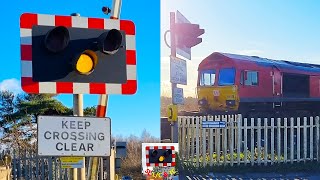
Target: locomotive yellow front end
x=219, y=95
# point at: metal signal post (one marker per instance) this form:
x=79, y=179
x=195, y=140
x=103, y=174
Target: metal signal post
x=183, y=36
x=173, y=54
x=78, y=111
x=102, y=112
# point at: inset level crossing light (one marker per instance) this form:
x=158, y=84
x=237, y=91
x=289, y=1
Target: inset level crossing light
x=160, y=156
x=59, y=48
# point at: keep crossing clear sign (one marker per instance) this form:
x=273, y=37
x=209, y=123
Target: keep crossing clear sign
x=73, y=136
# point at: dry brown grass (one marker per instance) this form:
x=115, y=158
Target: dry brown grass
x=191, y=104
x=131, y=165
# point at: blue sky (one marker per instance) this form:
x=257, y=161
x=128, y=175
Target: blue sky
x=273, y=29
x=129, y=114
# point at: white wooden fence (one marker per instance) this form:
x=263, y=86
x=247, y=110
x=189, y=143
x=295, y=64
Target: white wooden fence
x=248, y=141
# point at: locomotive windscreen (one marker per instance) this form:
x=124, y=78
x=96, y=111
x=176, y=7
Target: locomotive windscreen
x=207, y=77
x=296, y=85
x=227, y=76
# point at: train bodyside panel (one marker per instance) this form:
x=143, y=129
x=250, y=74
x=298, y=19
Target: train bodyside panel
x=315, y=86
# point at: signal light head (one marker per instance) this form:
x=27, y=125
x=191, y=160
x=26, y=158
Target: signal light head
x=85, y=62
x=57, y=39
x=106, y=10
x=109, y=42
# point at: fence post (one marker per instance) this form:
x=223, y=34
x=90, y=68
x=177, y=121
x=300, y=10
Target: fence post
x=279, y=140
x=272, y=141
x=211, y=136
x=291, y=139
x=183, y=136
x=204, y=144
x=311, y=138
x=252, y=141
x=188, y=138
x=180, y=135
x=41, y=165
x=317, y=137
x=225, y=145
x=31, y=159
x=285, y=137
x=37, y=166
x=50, y=168
x=60, y=170
x=25, y=164
x=14, y=172
x=193, y=133
x=197, y=141
x=304, y=139
x=228, y=137
x=231, y=139
x=218, y=144
x=265, y=141
x=245, y=126
x=259, y=141
x=239, y=137
x=298, y=139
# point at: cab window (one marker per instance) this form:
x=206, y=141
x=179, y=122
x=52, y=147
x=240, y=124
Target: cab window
x=227, y=76
x=207, y=77
x=250, y=78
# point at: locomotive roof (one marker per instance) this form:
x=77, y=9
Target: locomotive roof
x=278, y=63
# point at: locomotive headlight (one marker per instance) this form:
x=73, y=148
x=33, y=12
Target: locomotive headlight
x=202, y=102
x=230, y=102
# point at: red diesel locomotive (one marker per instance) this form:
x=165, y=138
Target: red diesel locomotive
x=248, y=84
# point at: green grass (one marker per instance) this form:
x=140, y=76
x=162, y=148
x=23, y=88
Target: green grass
x=189, y=167
x=235, y=157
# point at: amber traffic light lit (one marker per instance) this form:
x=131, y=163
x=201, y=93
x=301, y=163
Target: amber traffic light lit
x=86, y=62
x=161, y=158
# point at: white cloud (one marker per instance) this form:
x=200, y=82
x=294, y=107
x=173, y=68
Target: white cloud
x=11, y=85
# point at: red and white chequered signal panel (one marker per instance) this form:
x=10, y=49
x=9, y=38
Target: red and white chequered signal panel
x=27, y=20
x=173, y=163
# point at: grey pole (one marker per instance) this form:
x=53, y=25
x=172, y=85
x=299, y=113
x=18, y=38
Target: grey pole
x=78, y=111
x=173, y=54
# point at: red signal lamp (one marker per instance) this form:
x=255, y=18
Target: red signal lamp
x=57, y=39
x=188, y=34
x=110, y=42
